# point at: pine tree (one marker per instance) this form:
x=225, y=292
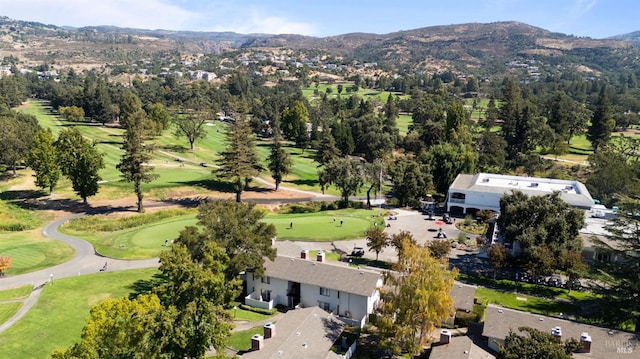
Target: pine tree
x=134, y=164
x=602, y=122
x=239, y=161
x=279, y=161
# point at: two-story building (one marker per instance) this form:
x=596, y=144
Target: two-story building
x=348, y=292
x=471, y=193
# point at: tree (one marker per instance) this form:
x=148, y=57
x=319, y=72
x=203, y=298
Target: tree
x=602, y=122
x=377, y=239
x=134, y=164
x=294, y=122
x=71, y=113
x=192, y=126
x=5, y=263
x=414, y=299
x=411, y=180
x=536, y=344
x=238, y=229
x=373, y=176
x=402, y=240
x=279, y=161
x=43, y=159
x=239, y=162
x=613, y=174
x=17, y=131
x=197, y=289
x=544, y=227
x=124, y=328
x=159, y=117
x=447, y=160
x=327, y=149
x=439, y=249
x=498, y=256
x=619, y=280
x=345, y=174
x=80, y=161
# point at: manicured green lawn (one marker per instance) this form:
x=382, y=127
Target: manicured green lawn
x=56, y=320
x=241, y=314
x=30, y=251
x=7, y=310
x=403, y=122
x=16, y=293
x=526, y=303
x=145, y=241
x=242, y=340
x=319, y=226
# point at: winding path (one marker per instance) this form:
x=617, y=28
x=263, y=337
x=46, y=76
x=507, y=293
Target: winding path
x=85, y=261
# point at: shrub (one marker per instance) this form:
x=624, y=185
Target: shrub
x=107, y=224
x=271, y=311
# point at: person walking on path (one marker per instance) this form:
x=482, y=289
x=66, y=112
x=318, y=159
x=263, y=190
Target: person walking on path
x=341, y=222
x=291, y=225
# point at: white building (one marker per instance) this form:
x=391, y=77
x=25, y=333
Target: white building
x=471, y=193
x=348, y=292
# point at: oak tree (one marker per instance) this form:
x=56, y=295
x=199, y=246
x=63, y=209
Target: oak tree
x=43, y=159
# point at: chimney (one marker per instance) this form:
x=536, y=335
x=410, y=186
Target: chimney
x=445, y=336
x=304, y=254
x=269, y=330
x=320, y=256
x=585, y=342
x=557, y=333
x=257, y=342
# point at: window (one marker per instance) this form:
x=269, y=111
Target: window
x=324, y=291
x=325, y=306
x=338, y=294
x=266, y=280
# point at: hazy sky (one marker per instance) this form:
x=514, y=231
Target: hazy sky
x=593, y=18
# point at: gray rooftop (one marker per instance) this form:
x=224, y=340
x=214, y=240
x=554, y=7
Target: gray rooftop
x=324, y=274
x=573, y=192
x=301, y=333
x=460, y=347
x=605, y=343
x=463, y=296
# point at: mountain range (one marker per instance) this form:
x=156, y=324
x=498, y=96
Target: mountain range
x=483, y=49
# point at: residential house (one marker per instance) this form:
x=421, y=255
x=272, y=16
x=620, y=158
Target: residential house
x=348, y=292
x=597, y=342
x=300, y=333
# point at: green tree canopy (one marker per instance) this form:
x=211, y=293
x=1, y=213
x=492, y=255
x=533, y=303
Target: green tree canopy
x=343, y=173
x=43, y=159
x=279, y=161
x=239, y=162
x=535, y=344
x=543, y=226
x=80, y=161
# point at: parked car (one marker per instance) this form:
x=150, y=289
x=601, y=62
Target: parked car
x=555, y=281
x=573, y=284
x=204, y=164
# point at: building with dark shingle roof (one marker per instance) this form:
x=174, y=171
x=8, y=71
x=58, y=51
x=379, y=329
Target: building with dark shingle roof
x=348, y=292
x=597, y=342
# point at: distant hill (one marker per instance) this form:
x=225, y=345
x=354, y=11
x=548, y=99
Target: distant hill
x=633, y=37
x=483, y=49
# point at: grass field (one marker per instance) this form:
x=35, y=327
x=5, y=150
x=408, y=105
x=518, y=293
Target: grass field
x=242, y=314
x=403, y=122
x=7, y=310
x=173, y=175
x=144, y=241
x=57, y=318
x=16, y=293
x=30, y=251
x=320, y=227
x=526, y=303
x=242, y=340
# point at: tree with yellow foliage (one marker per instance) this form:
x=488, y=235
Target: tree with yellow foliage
x=414, y=300
x=5, y=263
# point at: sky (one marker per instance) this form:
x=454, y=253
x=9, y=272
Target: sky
x=591, y=18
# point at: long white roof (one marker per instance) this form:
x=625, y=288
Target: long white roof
x=573, y=192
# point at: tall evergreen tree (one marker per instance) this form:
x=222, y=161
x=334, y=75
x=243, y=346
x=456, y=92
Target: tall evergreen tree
x=134, y=164
x=602, y=122
x=239, y=162
x=43, y=159
x=327, y=149
x=279, y=161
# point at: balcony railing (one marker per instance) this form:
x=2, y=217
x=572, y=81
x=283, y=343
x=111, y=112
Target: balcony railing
x=255, y=300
